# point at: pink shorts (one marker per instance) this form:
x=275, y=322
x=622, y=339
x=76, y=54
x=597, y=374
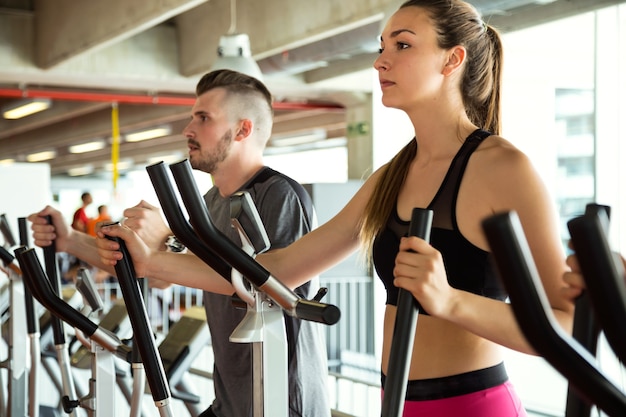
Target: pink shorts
x=440, y=397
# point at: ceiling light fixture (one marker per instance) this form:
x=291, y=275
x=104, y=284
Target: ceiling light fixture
x=299, y=139
x=121, y=165
x=41, y=156
x=233, y=51
x=79, y=171
x=87, y=147
x=7, y=161
x=166, y=159
x=25, y=107
x=148, y=134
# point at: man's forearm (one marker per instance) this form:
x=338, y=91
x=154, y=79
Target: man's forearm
x=188, y=270
x=83, y=246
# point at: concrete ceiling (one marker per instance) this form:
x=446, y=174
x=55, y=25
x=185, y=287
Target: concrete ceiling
x=147, y=55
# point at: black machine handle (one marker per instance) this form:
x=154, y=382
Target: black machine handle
x=235, y=256
x=604, y=277
x=32, y=323
x=179, y=225
x=5, y=229
x=39, y=285
x=531, y=308
x=586, y=329
x=6, y=256
x=52, y=272
x=142, y=334
x=407, y=312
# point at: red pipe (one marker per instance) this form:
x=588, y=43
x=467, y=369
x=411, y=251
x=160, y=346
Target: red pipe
x=139, y=99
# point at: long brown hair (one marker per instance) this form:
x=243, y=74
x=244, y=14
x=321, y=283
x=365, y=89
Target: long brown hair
x=456, y=23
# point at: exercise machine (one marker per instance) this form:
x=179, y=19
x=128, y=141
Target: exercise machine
x=532, y=310
x=42, y=290
x=264, y=300
x=58, y=329
x=18, y=361
x=404, y=329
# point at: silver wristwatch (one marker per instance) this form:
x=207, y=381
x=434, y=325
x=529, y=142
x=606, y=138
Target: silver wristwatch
x=173, y=244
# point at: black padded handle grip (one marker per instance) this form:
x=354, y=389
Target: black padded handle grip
x=5, y=229
x=52, y=272
x=318, y=312
x=180, y=226
x=6, y=256
x=233, y=254
x=142, y=333
x=407, y=312
x=586, y=328
x=604, y=278
x=215, y=239
x=40, y=287
x=531, y=308
x=32, y=322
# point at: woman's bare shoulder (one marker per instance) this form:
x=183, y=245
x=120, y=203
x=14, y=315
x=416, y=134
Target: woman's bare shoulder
x=497, y=155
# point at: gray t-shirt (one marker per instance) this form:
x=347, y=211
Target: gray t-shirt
x=285, y=220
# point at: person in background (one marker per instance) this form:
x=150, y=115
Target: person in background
x=230, y=125
x=103, y=216
x=441, y=64
x=80, y=220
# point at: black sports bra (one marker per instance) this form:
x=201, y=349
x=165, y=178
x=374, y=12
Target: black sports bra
x=468, y=267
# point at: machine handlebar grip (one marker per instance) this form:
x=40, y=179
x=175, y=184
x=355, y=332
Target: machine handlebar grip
x=142, y=333
x=180, y=226
x=404, y=330
x=40, y=287
x=6, y=230
x=318, y=312
x=533, y=313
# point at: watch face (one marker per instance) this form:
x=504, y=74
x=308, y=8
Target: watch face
x=174, y=245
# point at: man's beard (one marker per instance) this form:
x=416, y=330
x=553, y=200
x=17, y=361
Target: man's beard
x=208, y=162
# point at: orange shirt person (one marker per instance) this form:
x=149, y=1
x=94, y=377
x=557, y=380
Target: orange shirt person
x=103, y=215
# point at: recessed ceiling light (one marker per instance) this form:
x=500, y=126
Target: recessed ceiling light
x=121, y=165
x=41, y=156
x=299, y=139
x=78, y=171
x=87, y=146
x=167, y=159
x=26, y=107
x=148, y=134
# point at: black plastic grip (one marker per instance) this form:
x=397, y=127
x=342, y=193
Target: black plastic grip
x=227, y=249
x=52, y=272
x=5, y=229
x=138, y=316
x=604, y=278
x=32, y=322
x=179, y=225
x=215, y=239
x=6, y=256
x=318, y=312
x=407, y=312
x=531, y=308
x=40, y=287
x=586, y=328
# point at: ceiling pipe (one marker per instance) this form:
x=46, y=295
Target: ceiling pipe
x=141, y=99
